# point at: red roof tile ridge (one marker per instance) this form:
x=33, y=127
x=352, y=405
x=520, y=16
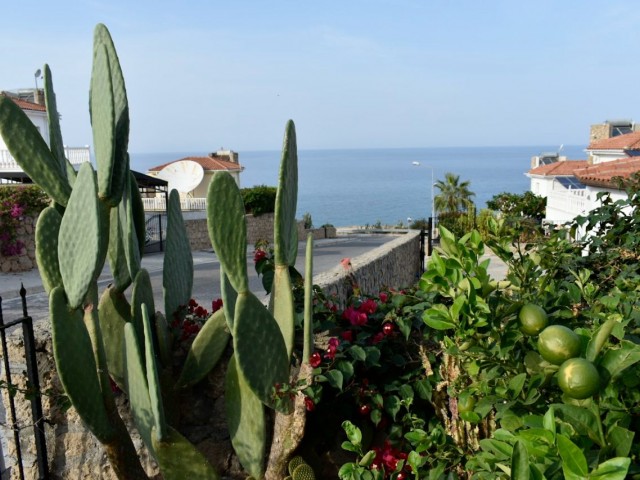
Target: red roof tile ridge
x=565, y=167
x=628, y=141
x=24, y=104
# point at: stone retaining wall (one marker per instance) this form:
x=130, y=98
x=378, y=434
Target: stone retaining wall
x=26, y=260
x=396, y=264
x=258, y=228
x=74, y=453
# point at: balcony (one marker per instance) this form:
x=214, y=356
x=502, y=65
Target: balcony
x=76, y=155
x=158, y=204
x=564, y=204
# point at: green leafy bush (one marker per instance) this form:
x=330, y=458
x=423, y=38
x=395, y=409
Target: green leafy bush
x=259, y=200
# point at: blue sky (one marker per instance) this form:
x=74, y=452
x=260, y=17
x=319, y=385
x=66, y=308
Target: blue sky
x=351, y=73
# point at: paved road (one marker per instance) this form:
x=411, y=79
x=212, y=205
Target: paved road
x=206, y=285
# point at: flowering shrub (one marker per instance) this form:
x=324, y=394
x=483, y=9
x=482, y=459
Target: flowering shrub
x=15, y=203
x=188, y=321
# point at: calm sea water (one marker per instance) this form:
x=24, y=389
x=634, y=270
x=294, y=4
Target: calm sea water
x=359, y=187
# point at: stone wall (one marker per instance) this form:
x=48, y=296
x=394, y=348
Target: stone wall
x=26, y=260
x=258, y=228
x=75, y=453
x=396, y=264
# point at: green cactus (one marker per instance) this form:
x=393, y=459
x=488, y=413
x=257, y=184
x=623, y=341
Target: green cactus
x=114, y=312
x=295, y=462
x=246, y=420
x=109, y=118
x=77, y=366
x=47, y=230
x=286, y=238
x=101, y=214
x=78, y=243
x=303, y=472
x=205, y=351
x=177, y=274
x=55, y=135
x=29, y=149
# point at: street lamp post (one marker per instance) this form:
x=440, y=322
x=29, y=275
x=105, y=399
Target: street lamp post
x=433, y=210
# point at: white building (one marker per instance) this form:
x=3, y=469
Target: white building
x=571, y=186
x=191, y=177
x=30, y=101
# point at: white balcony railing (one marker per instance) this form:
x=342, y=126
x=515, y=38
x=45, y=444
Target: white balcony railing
x=157, y=204
x=76, y=155
x=566, y=204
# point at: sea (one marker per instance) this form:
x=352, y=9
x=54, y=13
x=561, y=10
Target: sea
x=386, y=186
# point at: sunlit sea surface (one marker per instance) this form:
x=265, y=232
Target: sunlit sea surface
x=366, y=186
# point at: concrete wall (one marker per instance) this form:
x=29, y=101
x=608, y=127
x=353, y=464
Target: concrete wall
x=27, y=258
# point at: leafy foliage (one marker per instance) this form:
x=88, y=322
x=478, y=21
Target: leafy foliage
x=259, y=199
x=454, y=195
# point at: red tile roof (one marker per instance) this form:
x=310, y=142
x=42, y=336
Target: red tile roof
x=604, y=174
x=566, y=167
x=629, y=141
x=210, y=163
x=24, y=105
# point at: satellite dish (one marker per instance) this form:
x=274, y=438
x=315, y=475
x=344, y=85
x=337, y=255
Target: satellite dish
x=184, y=176
x=38, y=73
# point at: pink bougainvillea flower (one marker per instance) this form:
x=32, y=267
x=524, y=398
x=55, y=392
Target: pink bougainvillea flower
x=368, y=306
x=332, y=349
x=346, y=263
x=377, y=338
x=309, y=404
x=259, y=255
x=216, y=305
x=347, y=335
x=384, y=297
x=315, y=360
x=16, y=210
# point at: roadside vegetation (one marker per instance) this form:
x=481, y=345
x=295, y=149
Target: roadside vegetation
x=463, y=376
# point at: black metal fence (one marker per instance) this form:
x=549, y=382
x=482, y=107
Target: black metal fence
x=33, y=385
x=155, y=233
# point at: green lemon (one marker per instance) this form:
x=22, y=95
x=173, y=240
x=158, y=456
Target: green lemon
x=557, y=344
x=578, y=378
x=532, y=319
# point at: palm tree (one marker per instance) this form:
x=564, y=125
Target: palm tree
x=454, y=195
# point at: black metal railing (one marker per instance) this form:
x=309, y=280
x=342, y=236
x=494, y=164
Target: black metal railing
x=33, y=384
x=155, y=235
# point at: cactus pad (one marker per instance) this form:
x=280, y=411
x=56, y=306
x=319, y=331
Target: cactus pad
x=303, y=472
x=29, y=149
x=76, y=365
x=285, y=226
x=177, y=277
x=294, y=463
x=153, y=379
x=79, y=238
x=246, y=421
x=114, y=312
x=55, y=134
x=282, y=305
x=136, y=385
x=47, y=229
x=119, y=168
x=229, y=297
x=142, y=293
x=116, y=254
x=260, y=350
x=179, y=459
x=227, y=228
x=206, y=350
